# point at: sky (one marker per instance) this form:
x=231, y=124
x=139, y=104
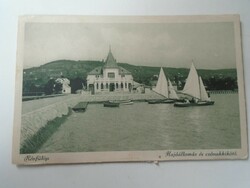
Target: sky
x=208, y=45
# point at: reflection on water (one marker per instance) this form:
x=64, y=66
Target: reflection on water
x=142, y=126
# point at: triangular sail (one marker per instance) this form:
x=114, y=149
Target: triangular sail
x=172, y=93
x=203, y=92
x=192, y=84
x=162, y=84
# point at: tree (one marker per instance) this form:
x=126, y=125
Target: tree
x=58, y=88
x=76, y=84
x=49, y=87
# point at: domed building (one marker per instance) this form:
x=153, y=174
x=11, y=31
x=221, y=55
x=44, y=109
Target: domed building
x=109, y=78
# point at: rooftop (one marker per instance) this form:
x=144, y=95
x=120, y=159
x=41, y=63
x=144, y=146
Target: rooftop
x=110, y=62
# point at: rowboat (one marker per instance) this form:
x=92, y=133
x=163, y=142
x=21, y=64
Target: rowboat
x=111, y=104
x=126, y=102
x=80, y=107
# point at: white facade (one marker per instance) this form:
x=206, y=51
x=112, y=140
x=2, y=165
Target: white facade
x=66, y=89
x=109, y=78
x=65, y=85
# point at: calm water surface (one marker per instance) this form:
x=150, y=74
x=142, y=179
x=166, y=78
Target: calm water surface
x=143, y=126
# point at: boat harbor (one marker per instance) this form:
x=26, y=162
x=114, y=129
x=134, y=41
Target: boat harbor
x=163, y=93
x=145, y=126
x=135, y=106
x=119, y=114
x=40, y=111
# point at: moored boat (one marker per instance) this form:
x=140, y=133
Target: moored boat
x=165, y=88
x=80, y=107
x=168, y=101
x=199, y=103
x=161, y=101
x=195, y=89
x=111, y=104
x=126, y=102
x=154, y=101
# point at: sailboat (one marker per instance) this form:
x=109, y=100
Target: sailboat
x=194, y=88
x=165, y=88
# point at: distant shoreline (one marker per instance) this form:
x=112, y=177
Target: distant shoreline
x=28, y=98
x=223, y=91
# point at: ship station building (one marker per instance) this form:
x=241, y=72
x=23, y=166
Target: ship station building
x=109, y=78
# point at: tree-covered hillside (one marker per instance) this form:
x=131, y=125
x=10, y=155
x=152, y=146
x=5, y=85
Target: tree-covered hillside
x=36, y=79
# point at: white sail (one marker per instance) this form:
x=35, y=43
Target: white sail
x=203, y=92
x=192, y=83
x=162, y=84
x=172, y=93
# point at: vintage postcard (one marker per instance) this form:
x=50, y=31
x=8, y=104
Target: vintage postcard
x=93, y=89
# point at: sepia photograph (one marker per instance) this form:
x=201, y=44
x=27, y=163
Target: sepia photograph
x=93, y=89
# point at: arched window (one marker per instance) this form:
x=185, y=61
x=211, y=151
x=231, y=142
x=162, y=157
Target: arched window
x=116, y=85
x=97, y=86
x=107, y=85
x=101, y=85
x=126, y=85
x=122, y=85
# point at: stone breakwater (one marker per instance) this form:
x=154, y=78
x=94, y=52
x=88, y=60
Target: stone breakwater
x=37, y=113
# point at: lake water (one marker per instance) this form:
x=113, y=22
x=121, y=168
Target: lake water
x=143, y=126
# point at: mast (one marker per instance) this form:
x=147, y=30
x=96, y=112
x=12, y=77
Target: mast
x=199, y=86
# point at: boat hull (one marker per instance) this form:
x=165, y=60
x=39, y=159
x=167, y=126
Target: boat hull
x=202, y=103
x=169, y=101
x=162, y=101
x=126, y=102
x=80, y=107
x=154, y=101
x=111, y=104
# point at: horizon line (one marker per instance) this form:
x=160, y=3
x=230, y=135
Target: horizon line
x=156, y=66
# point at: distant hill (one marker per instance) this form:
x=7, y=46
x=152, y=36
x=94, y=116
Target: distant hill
x=146, y=71
x=39, y=76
